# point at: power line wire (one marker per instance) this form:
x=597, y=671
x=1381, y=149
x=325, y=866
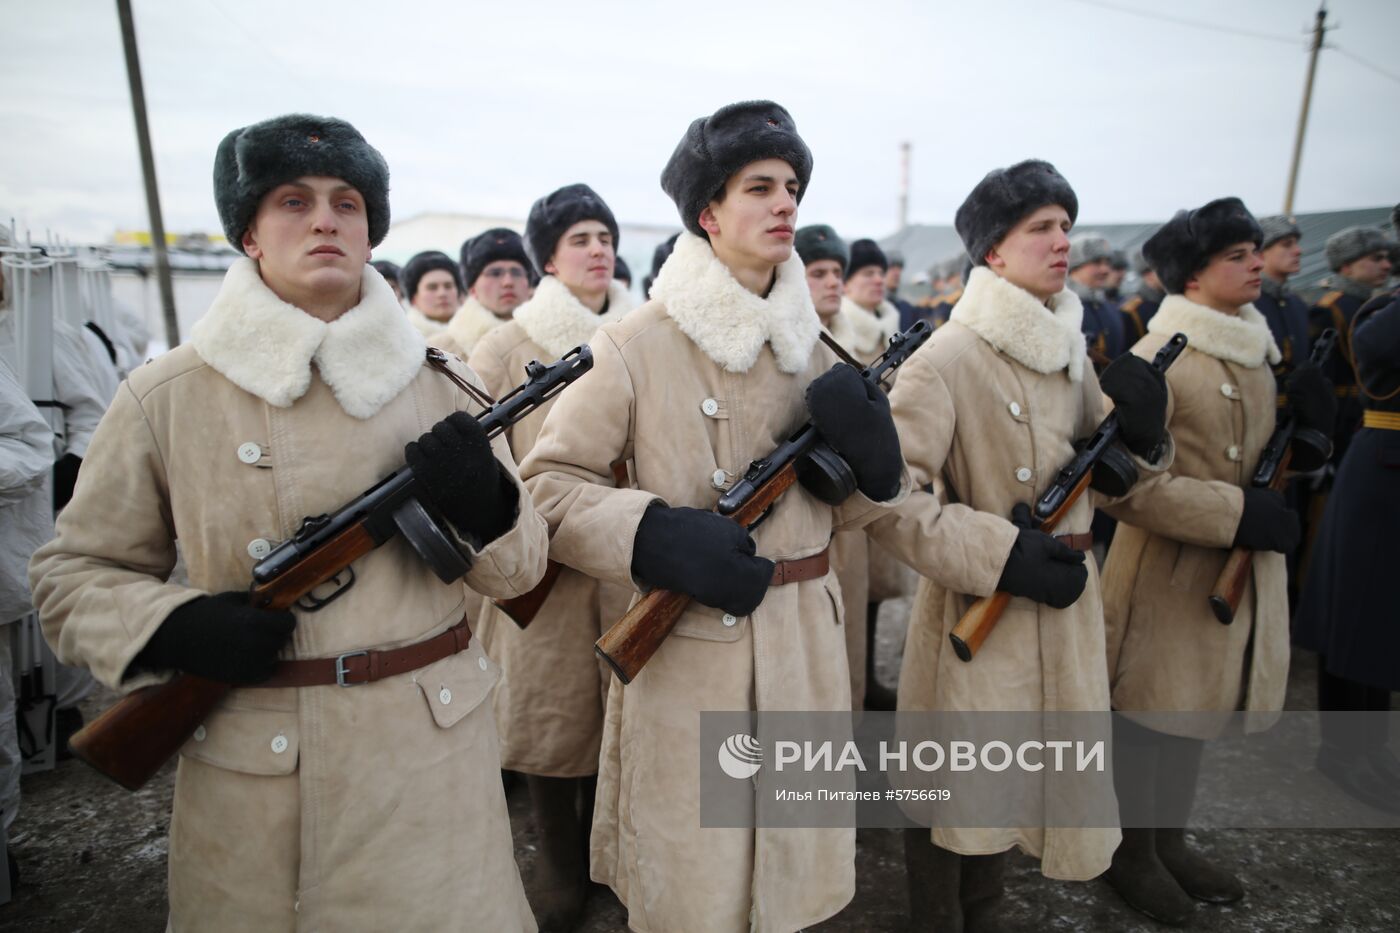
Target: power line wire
x=1364, y=63
x=1193, y=23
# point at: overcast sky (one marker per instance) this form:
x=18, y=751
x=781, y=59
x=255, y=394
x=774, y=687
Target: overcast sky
x=481, y=107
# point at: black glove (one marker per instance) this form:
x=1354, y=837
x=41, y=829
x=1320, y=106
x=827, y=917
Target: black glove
x=1311, y=398
x=1041, y=568
x=219, y=637
x=1139, y=394
x=65, y=477
x=459, y=476
x=853, y=416
x=1267, y=523
x=706, y=556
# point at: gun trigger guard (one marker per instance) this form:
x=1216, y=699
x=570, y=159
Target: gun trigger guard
x=312, y=603
x=761, y=518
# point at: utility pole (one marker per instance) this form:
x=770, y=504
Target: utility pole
x=1319, y=30
x=904, y=148
x=148, y=170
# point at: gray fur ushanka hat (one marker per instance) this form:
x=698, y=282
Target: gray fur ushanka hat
x=552, y=215
x=1003, y=198
x=1351, y=244
x=253, y=160
x=1184, y=245
x=1277, y=227
x=1087, y=248
x=816, y=242
x=715, y=147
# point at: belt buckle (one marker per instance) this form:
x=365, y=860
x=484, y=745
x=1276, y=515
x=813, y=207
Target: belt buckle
x=341, y=670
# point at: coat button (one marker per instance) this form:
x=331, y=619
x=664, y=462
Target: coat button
x=1015, y=408
x=444, y=696
x=249, y=452
x=1232, y=452
x=259, y=548
x=1024, y=474
x=729, y=620
x=720, y=479
x=710, y=407
x=481, y=663
x=279, y=744
x=1227, y=390
x=200, y=733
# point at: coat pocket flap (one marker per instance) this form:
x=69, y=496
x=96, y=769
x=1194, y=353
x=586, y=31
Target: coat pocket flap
x=456, y=685
x=250, y=741
x=710, y=624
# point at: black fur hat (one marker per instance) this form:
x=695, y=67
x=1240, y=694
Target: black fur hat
x=389, y=270
x=816, y=242
x=1003, y=198
x=423, y=263
x=253, y=160
x=866, y=253
x=620, y=270
x=555, y=213
x=493, y=245
x=717, y=146
x=659, y=256
x=1184, y=245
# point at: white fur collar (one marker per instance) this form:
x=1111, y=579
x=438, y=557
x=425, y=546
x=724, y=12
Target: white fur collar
x=1245, y=340
x=558, y=322
x=869, y=333
x=421, y=322
x=471, y=322
x=1013, y=321
x=729, y=322
x=265, y=346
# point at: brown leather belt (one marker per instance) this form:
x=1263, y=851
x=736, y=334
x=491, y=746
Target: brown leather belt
x=363, y=667
x=1084, y=541
x=795, y=571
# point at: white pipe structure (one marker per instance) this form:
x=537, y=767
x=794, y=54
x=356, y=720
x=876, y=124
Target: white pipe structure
x=29, y=280
x=95, y=284
x=67, y=293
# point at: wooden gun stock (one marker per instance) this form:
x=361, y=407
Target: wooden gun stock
x=1234, y=577
x=977, y=623
x=140, y=732
x=1239, y=568
x=979, y=620
x=634, y=638
x=136, y=735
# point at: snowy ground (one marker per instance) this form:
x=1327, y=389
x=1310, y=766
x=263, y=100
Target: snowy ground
x=93, y=858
